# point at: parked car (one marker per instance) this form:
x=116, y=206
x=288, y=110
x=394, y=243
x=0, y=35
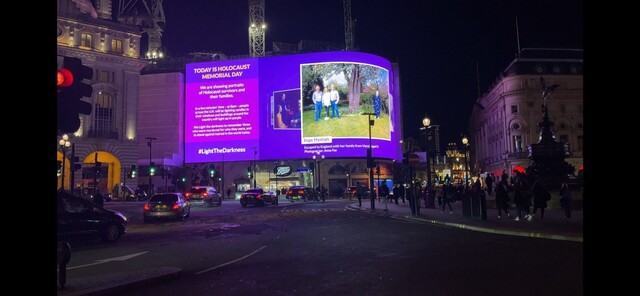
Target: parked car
x=258, y=197
x=78, y=216
x=302, y=193
x=206, y=195
x=166, y=205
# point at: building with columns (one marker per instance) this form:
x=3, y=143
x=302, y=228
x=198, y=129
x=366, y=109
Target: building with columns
x=504, y=120
x=112, y=50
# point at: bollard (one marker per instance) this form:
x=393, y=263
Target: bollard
x=64, y=255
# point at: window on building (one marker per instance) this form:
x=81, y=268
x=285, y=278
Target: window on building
x=580, y=141
x=86, y=40
x=104, y=76
x=116, y=45
x=530, y=104
x=564, y=138
x=514, y=109
x=563, y=108
x=580, y=108
x=580, y=126
x=517, y=143
x=103, y=115
x=563, y=126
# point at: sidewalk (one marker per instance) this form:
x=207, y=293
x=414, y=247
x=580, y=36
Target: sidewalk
x=114, y=283
x=552, y=226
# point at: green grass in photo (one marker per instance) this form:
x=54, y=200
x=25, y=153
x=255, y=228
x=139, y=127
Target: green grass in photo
x=349, y=125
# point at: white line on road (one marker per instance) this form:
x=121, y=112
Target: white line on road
x=101, y=261
x=230, y=262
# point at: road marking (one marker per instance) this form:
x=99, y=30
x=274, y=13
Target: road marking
x=101, y=261
x=230, y=262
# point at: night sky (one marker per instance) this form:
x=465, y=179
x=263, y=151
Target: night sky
x=436, y=43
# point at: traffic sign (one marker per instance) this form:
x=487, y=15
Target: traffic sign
x=414, y=159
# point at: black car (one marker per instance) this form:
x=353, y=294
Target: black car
x=258, y=197
x=78, y=216
x=302, y=193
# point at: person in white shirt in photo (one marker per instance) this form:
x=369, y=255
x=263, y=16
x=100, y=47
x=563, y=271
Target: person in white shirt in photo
x=326, y=101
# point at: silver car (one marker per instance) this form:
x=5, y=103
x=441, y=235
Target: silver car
x=166, y=205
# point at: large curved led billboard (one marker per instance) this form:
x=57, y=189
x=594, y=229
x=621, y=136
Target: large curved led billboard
x=288, y=107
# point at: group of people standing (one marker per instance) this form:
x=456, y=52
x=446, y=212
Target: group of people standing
x=328, y=99
x=525, y=194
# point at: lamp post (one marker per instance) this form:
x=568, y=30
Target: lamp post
x=465, y=143
x=255, y=151
x=426, y=122
x=64, y=144
x=318, y=160
x=150, y=140
x=370, y=163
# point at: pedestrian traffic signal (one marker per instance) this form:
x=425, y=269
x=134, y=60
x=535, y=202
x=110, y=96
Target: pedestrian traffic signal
x=59, y=173
x=184, y=179
x=249, y=173
x=312, y=166
x=71, y=90
x=152, y=169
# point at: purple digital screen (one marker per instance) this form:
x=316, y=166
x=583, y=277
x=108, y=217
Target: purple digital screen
x=289, y=107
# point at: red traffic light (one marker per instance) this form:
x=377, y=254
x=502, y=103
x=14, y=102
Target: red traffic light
x=65, y=77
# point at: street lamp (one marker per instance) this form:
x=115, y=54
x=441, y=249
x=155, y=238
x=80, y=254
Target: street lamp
x=426, y=122
x=370, y=163
x=64, y=144
x=150, y=140
x=465, y=143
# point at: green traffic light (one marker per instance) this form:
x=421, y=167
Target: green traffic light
x=184, y=179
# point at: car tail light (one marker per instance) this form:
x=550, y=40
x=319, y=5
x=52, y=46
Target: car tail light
x=205, y=194
x=290, y=192
x=146, y=207
x=175, y=207
x=300, y=191
x=188, y=194
x=259, y=196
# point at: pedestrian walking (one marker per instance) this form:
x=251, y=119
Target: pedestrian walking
x=402, y=191
x=565, y=200
x=502, y=199
x=540, y=198
x=522, y=201
x=359, y=192
x=489, y=182
x=447, y=196
x=396, y=193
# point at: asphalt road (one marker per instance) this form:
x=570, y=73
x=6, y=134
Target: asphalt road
x=323, y=249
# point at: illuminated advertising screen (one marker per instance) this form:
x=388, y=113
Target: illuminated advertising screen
x=290, y=107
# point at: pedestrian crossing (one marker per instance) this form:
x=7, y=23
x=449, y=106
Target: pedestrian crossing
x=311, y=210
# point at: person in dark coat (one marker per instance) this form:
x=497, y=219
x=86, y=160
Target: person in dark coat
x=384, y=191
x=522, y=202
x=489, y=181
x=396, y=193
x=98, y=199
x=447, y=195
x=565, y=200
x=402, y=190
x=540, y=198
x=377, y=104
x=502, y=199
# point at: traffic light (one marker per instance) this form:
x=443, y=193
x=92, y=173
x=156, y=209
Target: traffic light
x=377, y=169
x=152, y=169
x=312, y=166
x=76, y=164
x=71, y=90
x=249, y=173
x=133, y=171
x=212, y=171
x=184, y=179
x=59, y=173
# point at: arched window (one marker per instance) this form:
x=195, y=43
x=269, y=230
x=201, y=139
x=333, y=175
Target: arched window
x=103, y=116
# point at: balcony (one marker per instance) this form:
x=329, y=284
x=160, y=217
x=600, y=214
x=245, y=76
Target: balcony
x=103, y=134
